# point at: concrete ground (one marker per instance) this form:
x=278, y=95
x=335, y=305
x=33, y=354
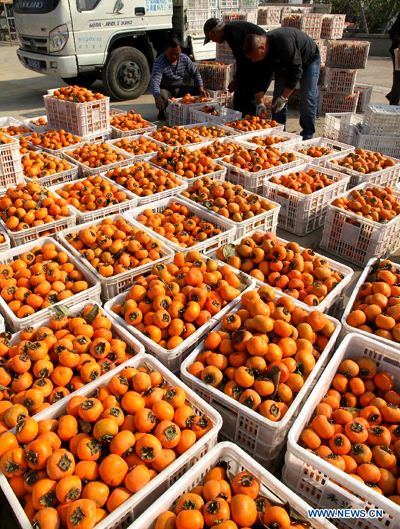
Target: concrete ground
x=21, y=93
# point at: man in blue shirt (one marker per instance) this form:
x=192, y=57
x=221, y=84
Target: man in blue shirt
x=167, y=76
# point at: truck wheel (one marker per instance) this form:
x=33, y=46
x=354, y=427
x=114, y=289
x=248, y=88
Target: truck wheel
x=126, y=73
x=81, y=80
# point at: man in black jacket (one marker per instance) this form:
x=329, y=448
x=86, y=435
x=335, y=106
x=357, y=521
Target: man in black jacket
x=394, y=33
x=294, y=58
x=234, y=34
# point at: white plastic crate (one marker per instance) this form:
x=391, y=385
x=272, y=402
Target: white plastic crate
x=341, y=149
x=245, y=13
x=179, y=114
x=225, y=115
x=142, y=200
x=136, y=157
x=226, y=454
x=6, y=245
x=364, y=96
x=118, y=133
x=103, y=212
x=342, y=126
x=241, y=132
x=353, y=298
x=92, y=293
x=84, y=170
x=387, y=145
x=198, y=4
x=290, y=138
x=216, y=76
x=269, y=15
x=149, y=494
x=387, y=177
x=114, y=285
x=10, y=165
x=9, y=121
x=347, y=54
x=34, y=126
x=301, y=214
x=254, y=181
x=382, y=120
x=227, y=228
x=172, y=358
x=319, y=482
x=36, y=232
x=2, y=325
x=224, y=53
x=332, y=26
x=332, y=103
x=228, y=4
x=58, y=178
x=83, y=119
x=208, y=124
x=163, y=145
x=196, y=19
x=261, y=438
x=340, y=80
x=222, y=97
x=357, y=239
x=310, y=23
x=328, y=302
x=266, y=221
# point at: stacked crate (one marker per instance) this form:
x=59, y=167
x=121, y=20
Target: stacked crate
x=380, y=130
x=343, y=59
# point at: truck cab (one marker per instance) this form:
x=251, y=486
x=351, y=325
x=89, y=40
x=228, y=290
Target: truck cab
x=84, y=40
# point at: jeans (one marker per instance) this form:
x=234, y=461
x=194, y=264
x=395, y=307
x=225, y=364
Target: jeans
x=181, y=91
x=308, y=99
x=394, y=94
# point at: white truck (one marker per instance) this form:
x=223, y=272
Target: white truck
x=113, y=40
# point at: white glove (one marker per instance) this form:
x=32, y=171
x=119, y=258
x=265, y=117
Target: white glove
x=279, y=103
x=261, y=110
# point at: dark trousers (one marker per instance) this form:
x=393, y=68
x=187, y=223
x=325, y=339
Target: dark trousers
x=394, y=94
x=244, y=96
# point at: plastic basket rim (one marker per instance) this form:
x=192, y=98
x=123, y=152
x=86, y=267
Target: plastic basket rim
x=133, y=137
x=245, y=222
x=330, y=470
x=58, y=410
x=74, y=168
x=244, y=409
x=304, y=167
x=81, y=215
x=106, y=280
x=17, y=124
x=359, y=218
x=18, y=250
x=346, y=148
x=337, y=266
x=229, y=229
x=127, y=156
x=208, y=124
x=217, y=453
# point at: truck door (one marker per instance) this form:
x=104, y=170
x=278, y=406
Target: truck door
x=95, y=22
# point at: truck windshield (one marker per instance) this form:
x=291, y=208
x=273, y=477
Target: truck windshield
x=36, y=7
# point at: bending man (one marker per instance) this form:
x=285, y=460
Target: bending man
x=294, y=58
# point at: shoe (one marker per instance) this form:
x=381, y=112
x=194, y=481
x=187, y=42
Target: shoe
x=161, y=115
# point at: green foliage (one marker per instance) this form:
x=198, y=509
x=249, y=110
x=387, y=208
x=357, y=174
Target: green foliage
x=380, y=14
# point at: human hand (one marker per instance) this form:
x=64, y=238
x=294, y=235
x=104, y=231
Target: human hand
x=160, y=104
x=203, y=92
x=261, y=110
x=279, y=103
x=233, y=85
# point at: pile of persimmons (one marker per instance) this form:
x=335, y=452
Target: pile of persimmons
x=113, y=247
x=374, y=203
x=376, y=309
x=48, y=363
x=170, y=304
x=226, y=501
x=285, y=266
x=265, y=350
x=356, y=426
x=29, y=206
x=72, y=471
x=38, y=279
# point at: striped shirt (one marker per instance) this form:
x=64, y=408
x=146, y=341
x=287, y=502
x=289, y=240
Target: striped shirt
x=168, y=75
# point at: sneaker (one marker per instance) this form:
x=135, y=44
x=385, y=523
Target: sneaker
x=161, y=115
